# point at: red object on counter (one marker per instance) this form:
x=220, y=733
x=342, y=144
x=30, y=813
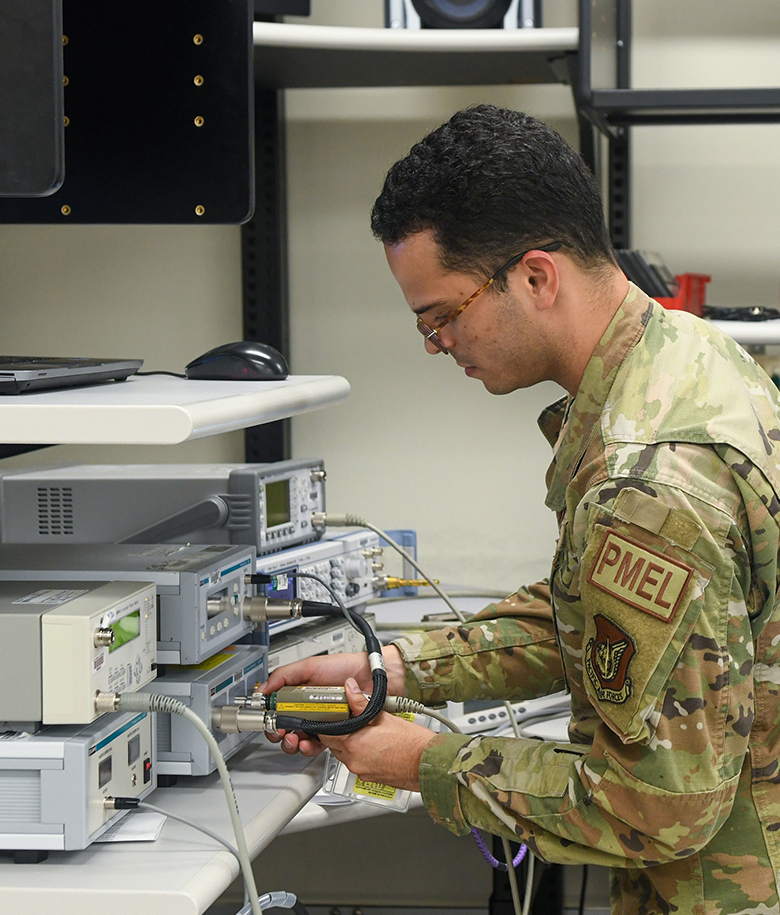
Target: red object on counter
x=691, y=295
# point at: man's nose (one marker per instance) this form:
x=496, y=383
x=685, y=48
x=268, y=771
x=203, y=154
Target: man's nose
x=431, y=348
x=447, y=339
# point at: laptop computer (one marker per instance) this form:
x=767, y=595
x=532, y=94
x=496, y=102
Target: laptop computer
x=20, y=374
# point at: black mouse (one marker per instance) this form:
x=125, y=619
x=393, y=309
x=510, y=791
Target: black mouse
x=242, y=361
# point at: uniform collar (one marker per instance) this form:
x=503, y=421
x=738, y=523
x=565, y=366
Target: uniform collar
x=570, y=423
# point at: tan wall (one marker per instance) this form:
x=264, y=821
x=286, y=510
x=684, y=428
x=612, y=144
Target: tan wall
x=417, y=444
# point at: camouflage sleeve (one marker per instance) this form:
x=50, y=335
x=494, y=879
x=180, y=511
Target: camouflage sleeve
x=506, y=651
x=657, y=629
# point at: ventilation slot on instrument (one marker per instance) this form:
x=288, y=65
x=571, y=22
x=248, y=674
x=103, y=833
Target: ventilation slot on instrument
x=55, y=511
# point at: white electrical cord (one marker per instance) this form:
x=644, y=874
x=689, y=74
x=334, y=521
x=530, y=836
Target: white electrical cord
x=142, y=805
x=529, y=884
x=149, y=702
x=404, y=626
x=323, y=518
x=510, y=872
x=395, y=704
x=348, y=520
x=281, y=900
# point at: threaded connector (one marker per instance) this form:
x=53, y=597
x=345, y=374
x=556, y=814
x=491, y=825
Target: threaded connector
x=388, y=582
x=262, y=609
x=257, y=701
x=106, y=702
x=231, y=719
x=327, y=519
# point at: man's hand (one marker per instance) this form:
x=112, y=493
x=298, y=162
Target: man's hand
x=334, y=669
x=388, y=750
x=330, y=670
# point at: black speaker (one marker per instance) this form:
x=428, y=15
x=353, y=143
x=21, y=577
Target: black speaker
x=463, y=14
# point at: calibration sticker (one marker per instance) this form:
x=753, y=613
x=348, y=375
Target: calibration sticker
x=640, y=577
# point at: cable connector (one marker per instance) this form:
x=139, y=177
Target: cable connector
x=326, y=519
x=230, y=719
x=259, y=578
x=262, y=609
x=395, y=704
x=388, y=582
x=121, y=803
x=106, y=702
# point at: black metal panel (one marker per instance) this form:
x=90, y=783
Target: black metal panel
x=158, y=107
x=264, y=261
x=32, y=158
x=619, y=191
x=623, y=27
x=634, y=106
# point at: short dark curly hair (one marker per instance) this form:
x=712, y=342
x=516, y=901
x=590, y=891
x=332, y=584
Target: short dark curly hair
x=489, y=183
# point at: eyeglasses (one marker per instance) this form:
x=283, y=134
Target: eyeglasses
x=432, y=333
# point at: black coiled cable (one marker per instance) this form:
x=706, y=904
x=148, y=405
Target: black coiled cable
x=378, y=675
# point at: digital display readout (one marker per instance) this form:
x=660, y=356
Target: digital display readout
x=277, y=503
x=125, y=630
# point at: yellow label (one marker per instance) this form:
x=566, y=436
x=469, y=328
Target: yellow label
x=374, y=789
x=640, y=577
x=212, y=662
x=288, y=707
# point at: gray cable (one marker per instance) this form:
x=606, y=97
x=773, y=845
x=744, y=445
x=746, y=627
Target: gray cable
x=149, y=702
x=529, y=885
x=395, y=704
x=355, y=521
x=142, y=805
x=408, y=625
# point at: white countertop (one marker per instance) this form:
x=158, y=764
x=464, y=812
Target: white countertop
x=747, y=333
x=183, y=872
x=159, y=410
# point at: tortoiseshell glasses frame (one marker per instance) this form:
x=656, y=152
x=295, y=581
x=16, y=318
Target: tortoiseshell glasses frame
x=432, y=333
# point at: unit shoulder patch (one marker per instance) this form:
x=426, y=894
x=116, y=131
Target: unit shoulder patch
x=639, y=576
x=607, y=658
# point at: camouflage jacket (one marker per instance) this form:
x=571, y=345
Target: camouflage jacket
x=660, y=616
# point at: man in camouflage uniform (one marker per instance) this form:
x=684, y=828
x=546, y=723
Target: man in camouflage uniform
x=659, y=615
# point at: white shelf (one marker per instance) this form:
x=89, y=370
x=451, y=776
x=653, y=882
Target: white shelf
x=183, y=872
x=751, y=333
x=310, y=56
x=159, y=410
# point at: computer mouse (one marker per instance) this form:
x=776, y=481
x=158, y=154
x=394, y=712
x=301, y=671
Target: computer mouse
x=241, y=361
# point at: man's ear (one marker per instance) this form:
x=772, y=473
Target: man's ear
x=541, y=278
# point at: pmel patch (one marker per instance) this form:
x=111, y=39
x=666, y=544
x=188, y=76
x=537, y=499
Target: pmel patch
x=640, y=577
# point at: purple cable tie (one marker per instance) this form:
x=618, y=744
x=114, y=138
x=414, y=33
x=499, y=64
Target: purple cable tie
x=491, y=860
